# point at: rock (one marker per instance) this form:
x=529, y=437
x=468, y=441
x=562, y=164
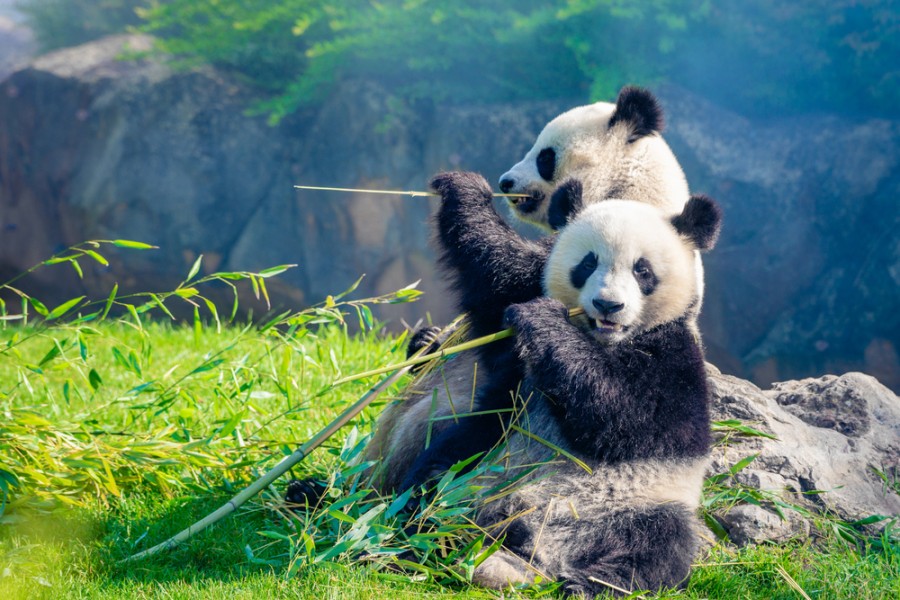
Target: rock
x=100, y=148
x=806, y=275
x=832, y=433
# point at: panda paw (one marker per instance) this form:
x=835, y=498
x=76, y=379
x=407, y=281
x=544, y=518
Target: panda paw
x=535, y=315
x=303, y=493
x=429, y=338
x=461, y=187
x=534, y=322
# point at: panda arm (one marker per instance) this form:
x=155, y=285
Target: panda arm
x=640, y=399
x=492, y=265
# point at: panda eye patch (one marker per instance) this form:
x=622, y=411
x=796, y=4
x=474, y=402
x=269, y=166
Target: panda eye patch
x=646, y=278
x=580, y=272
x=546, y=163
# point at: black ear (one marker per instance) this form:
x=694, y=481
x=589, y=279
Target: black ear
x=701, y=221
x=640, y=109
x=565, y=203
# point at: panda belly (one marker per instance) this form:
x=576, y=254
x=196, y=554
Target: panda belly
x=401, y=431
x=566, y=523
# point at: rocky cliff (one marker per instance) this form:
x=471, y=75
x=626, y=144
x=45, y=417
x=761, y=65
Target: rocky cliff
x=805, y=280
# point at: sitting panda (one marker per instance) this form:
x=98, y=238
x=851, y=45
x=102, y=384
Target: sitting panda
x=622, y=388
x=614, y=149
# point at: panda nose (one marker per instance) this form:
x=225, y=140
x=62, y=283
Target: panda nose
x=506, y=184
x=607, y=307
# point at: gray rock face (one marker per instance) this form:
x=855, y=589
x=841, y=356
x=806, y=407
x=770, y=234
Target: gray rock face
x=805, y=280
x=832, y=434
x=95, y=147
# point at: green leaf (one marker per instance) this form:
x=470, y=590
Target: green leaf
x=97, y=257
x=109, y=301
x=273, y=271
x=53, y=353
x=95, y=380
x=75, y=265
x=133, y=245
x=64, y=308
x=38, y=306
x=195, y=268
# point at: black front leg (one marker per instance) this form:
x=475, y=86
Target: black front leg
x=492, y=266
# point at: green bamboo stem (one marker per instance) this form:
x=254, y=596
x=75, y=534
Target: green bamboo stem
x=277, y=471
x=443, y=352
x=303, y=451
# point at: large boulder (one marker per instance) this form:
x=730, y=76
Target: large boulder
x=832, y=438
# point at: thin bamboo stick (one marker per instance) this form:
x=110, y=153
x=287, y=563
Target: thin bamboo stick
x=277, y=471
x=418, y=360
x=391, y=192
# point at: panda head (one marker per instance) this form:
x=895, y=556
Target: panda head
x=614, y=149
x=630, y=266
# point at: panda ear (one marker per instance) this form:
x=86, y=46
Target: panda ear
x=640, y=110
x=565, y=203
x=700, y=221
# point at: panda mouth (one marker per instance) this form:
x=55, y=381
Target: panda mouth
x=527, y=204
x=605, y=327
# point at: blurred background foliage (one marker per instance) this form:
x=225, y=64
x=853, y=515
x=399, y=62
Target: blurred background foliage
x=837, y=55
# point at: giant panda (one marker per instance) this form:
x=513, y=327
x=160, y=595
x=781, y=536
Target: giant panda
x=622, y=388
x=598, y=151
x=491, y=267
x=613, y=150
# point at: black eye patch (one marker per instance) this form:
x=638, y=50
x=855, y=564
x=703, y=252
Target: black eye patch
x=580, y=272
x=646, y=278
x=546, y=163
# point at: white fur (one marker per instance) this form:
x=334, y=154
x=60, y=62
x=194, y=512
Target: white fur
x=603, y=160
x=619, y=233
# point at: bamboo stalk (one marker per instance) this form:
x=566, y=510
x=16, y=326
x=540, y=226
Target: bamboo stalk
x=391, y=192
x=303, y=451
x=274, y=473
x=443, y=352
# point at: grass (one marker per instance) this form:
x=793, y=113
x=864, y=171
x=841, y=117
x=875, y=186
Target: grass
x=119, y=431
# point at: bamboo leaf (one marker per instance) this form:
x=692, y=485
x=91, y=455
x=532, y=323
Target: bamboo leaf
x=134, y=245
x=64, y=308
x=97, y=257
x=195, y=268
x=38, y=306
x=109, y=301
x=94, y=379
x=273, y=271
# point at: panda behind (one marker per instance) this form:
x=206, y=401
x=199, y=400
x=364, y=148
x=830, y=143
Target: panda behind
x=621, y=388
x=613, y=150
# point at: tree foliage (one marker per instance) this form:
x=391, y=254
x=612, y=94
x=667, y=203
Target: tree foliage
x=766, y=56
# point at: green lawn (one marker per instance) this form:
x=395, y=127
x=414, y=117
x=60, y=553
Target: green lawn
x=114, y=437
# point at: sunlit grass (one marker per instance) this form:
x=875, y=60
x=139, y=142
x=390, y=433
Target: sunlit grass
x=116, y=433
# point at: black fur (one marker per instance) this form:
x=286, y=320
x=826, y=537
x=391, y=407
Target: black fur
x=583, y=270
x=491, y=266
x=546, y=163
x=701, y=221
x=646, y=278
x=565, y=203
x=646, y=398
x=640, y=110
x=302, y=493
x=634, y=551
